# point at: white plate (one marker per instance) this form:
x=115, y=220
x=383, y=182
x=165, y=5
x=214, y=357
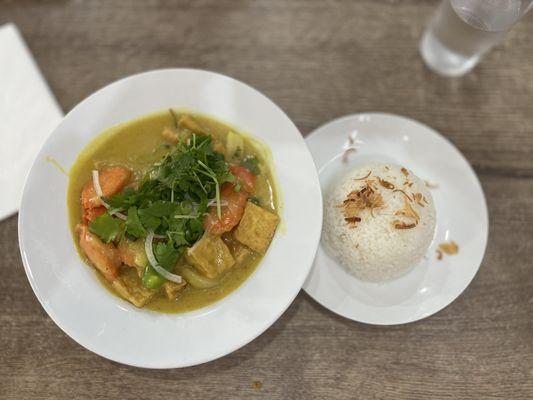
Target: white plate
x=461, y=217
x=68, y=289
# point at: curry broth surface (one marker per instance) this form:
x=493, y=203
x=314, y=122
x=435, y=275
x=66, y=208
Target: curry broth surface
x=137, y=145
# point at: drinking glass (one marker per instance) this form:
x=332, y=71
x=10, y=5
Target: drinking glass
x=461, y=31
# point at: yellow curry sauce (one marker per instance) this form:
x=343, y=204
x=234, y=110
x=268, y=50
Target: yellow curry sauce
x=137, y=145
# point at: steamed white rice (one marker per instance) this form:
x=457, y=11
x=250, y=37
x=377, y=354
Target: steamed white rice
x=374, y=248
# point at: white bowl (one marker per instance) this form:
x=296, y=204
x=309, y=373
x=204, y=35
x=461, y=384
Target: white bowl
x=461, y=216
x=69, y=290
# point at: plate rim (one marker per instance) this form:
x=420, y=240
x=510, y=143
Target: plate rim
x=290, y=299
x=443, y=138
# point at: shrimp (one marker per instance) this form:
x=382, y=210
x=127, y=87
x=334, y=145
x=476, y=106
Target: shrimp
x=235, y=202
x=231, y=212
x=244, y=177
x=112, y=181
x=103, y=256
x=90, y=214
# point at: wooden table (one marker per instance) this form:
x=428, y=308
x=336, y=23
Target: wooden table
x=318, y=60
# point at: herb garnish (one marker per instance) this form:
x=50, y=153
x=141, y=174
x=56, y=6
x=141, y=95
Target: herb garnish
x=106, y=227
x=171, y=201
x=251, y=163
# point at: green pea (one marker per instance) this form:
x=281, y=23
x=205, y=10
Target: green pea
x=151, y=279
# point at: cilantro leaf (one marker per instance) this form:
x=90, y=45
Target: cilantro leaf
x=195, y=229
x=161, y=209
x=255, y=200
x=124, y=200
x=149, y=221
x=251, y=163
x=106, y=227
x=166, y=254
x=134, y=226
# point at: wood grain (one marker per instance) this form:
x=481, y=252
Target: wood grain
x=318, y=60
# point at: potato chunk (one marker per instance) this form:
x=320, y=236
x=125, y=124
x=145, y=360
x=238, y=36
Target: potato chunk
x=188, y=122
x=172, y=289
x=128, y=285
x=196, y=279
x=132, y=254
x=256, y=228
x=171, y=135
x=210, y=256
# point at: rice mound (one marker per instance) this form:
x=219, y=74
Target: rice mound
x=386, y=239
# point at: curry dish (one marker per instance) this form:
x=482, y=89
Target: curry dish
x=174, y=210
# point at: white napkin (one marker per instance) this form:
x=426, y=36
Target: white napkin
x=28, y=114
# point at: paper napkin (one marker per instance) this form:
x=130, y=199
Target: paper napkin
x=28, y=114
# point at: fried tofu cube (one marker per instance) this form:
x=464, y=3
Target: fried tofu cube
x=129, y=286
x=242, y=254
x=172, y=289
x=257, y=227
x=210, y=256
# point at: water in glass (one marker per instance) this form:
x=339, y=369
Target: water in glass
x=462, y=30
